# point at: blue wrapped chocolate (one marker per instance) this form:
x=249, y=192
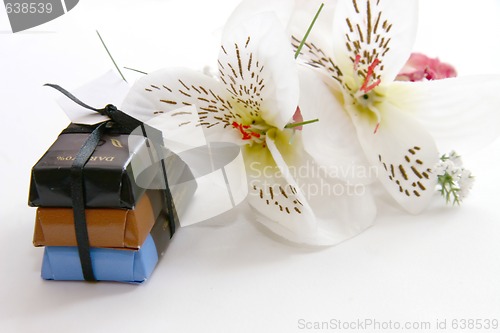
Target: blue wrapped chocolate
x=121, y=265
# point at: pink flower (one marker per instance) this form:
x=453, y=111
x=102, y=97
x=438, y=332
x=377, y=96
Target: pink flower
x=420, y=67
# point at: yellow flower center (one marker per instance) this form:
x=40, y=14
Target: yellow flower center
x=366, y=95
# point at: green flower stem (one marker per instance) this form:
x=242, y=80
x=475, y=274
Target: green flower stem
x=301, y=45
x=449, y=189
x=113, y=60
x=135, y=70
x=292, y=125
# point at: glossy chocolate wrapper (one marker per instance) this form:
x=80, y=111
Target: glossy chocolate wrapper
x=107, y=227
x=109, y=178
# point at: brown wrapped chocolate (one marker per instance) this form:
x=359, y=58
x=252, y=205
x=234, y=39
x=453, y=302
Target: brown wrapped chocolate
x=109, y=228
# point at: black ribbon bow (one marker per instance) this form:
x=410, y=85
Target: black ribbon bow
x=128, y=124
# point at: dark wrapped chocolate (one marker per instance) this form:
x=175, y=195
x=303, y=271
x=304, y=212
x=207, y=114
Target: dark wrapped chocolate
x=109, y=177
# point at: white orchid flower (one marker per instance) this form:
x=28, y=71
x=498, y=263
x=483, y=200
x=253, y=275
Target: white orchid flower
x=252, y=104
x=397, y=124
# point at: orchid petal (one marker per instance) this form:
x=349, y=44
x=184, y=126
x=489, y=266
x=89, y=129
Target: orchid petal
x=303, y=212
x=404, y=153
x=375, y=31
x=164, y=91
x=460, y=113
x=256, y=65
x=275, y=195
x=332, y=141
x=342, y=210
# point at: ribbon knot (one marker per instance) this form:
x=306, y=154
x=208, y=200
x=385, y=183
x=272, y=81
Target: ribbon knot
x=108, y=111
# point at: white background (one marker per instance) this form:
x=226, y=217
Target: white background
x=230, y=275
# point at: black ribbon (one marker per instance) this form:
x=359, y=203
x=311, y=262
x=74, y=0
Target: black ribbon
x=128, y=124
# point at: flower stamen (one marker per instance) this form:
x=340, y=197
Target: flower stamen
x=356, y=62
x=245, y=134
x=365, y=87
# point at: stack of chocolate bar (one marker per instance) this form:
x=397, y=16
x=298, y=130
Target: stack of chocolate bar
x=129, y=218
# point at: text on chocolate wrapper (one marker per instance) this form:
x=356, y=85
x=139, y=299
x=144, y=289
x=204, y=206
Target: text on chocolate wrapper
x=92, y=158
